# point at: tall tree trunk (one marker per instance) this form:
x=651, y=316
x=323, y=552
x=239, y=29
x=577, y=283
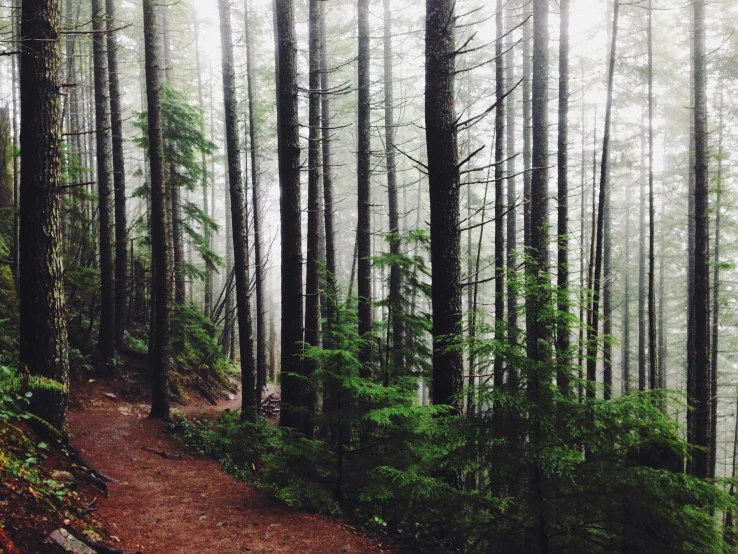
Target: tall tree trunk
x=106, y=338
x=208, y=305
x=593, y=331
x=312, y=277
x=158, y=359
x=173, y=187
x=607, y=295
x=538, y=299
x=230, y=307
x=512, y=200
x=259, y=267
x=714, y=352
x=700, y=345
x=364, y=285
x=444, y=180
x=625, y=350
x=291, y=232
x=43, y=322
x=691, y=406
x=653, y=373
x=642, y=290
x=527, y=135
x=563, y=356
x=14, y=70
x=395, y=292
x=119, y=180
x=499, y=261
x=239, y=218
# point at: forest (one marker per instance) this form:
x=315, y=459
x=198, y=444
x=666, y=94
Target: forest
x=305, y=276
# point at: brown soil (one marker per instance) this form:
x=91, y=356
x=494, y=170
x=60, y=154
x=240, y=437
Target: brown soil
x=167, y=505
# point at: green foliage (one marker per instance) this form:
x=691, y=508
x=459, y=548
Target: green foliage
x=198, y=335
x=186, y=144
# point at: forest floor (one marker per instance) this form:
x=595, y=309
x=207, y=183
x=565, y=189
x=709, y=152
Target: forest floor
x=167, y=501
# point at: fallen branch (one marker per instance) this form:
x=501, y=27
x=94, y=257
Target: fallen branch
x=163, y=454
x=102, y=548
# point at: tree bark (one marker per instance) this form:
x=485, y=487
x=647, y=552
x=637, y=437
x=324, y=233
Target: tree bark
x=364, y=277
x=593, y=331
x=259, y=267
x=700, y=344
x=239, y=219
x=653, y=365
x=158, y=358
x=106, y=338
x=312, y=277
x=395, y=292
x=290, y=211
x=444, y=180
x=119, y=180
x=527, y=135
x=43, y=323
x=538, y=299
x=563, y=356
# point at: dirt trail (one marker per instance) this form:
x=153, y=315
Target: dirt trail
x=168, y=506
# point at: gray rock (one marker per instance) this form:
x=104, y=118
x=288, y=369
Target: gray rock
x=69, y=543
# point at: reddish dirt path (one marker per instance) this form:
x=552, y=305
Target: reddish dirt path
x=162, y=506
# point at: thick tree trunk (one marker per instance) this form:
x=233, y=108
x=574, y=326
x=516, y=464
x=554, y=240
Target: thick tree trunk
x=312, y=277
x=499, y=261
x=43, y=323
x=239, y=219
x=14, y=70
x=538, y=327
x=593, y=331
x=158, y=358
x=444, y=180
x=364, y=231
x=290, y=211
x=259, y=267
x=700, y=345
x=119, y=180
x=563, y=356
x=106, y=338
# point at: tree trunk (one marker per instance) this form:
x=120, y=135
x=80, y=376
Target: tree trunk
x=538, y=328
x=239, y=219
x=259, y=267
x=700, y=345
x=444, y=180
x=642, y=287
x=290, y=211
x=512, y=200
x=625, y=350
x=527, y=79
x=312, y=277
x=499, y=261
x=563, y=356
x=208, y=304
x=106, y=338
x=714, y=352
x=395, y=292
x=43, y=323
x=653, y=374
x=119, y=180
x=364, y=285
x=593, y=331
x=158, y=359
x=14, y=70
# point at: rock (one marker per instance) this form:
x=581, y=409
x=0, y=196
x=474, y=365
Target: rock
x=63, y=538
x=92, y=535
x=110, y=395
x=62, y=476
x=231, y=396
